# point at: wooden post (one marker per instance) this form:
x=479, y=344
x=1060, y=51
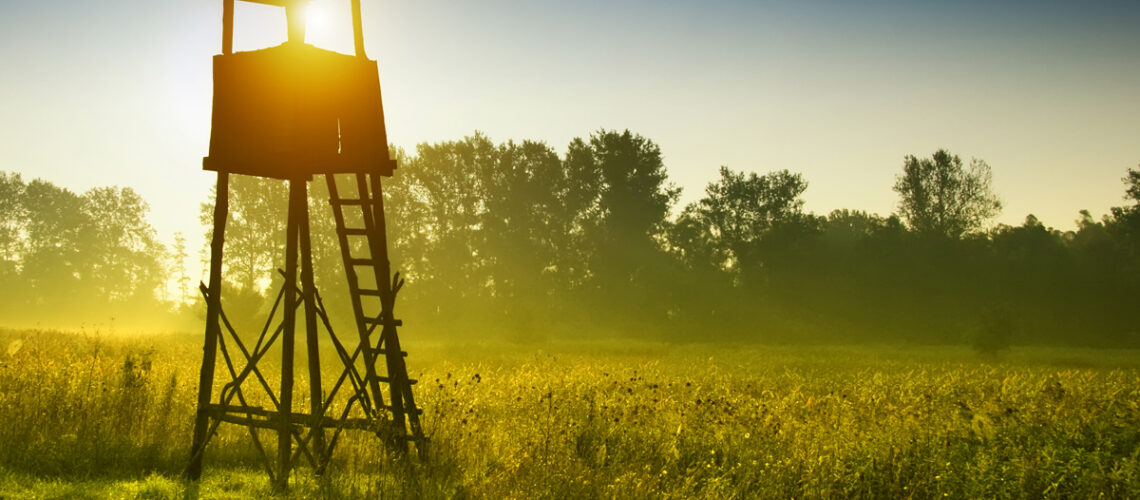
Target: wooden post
x=357, y=29
x=227, y=26
x=308, y=289
x=295, y=20
x=284, y=432
x=213, y=329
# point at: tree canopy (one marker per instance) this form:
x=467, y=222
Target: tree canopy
x=940, y=196
x=516, y=239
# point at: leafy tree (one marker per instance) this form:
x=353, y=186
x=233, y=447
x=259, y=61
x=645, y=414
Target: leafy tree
x=939, y=196
x=178, y=267
x=1030, y=248
x=328, y=267
x=255, y=230
x=123, y=254
x=407, y=216
x=13, y=218
x=522, y=218
x=480, y=228
x=632, y=204
x=690, y=241
x=1126, y=219
x=635, y=197
x=526, y=233
x=444, y=250
x=1132, y=180
x=846, y=228
x=1095, y=246
x=56, y=220
x=75, y=257
x=737, y=212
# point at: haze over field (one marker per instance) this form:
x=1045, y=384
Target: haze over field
x=118, y=93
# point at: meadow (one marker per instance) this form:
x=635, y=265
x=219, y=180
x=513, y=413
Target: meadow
x=90, y=414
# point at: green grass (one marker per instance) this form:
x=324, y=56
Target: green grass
x=94, y=416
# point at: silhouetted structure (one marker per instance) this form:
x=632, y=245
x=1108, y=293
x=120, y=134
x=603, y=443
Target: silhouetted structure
x=292, y=112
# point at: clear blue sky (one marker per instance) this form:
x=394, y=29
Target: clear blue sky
x=1048, y=92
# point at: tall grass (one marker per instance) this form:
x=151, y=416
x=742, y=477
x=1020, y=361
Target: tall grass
x=626, y=420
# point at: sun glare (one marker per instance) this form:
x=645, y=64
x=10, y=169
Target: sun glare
x=316, y=16
x=328, y=25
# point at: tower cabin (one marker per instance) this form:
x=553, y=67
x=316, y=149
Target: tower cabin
x=291, y=112
x=294, y=110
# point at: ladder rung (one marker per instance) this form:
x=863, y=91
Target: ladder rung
x=378, y=321
x=417, y=411
x=354, y=231
x=385, y=352
x=387, y=380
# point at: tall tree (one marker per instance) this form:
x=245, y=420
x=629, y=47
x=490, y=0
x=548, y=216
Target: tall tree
x=582, y=214
x=124, y=257
x=54, y=261
x=178, y=266
x=1129, y=215
x=522, y=217
x=1125, y=221
x=13, y=217
x=1132, y=181
x=633, y=203
x=940, y=196
x=737, y=212
x=255, y=230
x=435, y=215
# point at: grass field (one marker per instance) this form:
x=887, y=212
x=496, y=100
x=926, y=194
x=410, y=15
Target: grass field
x=101, y=416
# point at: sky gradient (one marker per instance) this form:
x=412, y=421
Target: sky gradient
x=118, y=93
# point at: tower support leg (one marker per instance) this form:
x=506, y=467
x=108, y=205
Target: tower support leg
x=213, y=329
x=308, y=293
x=297, y=202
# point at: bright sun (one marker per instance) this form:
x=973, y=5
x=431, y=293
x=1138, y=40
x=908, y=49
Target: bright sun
x=328, y=25
x=316, y=16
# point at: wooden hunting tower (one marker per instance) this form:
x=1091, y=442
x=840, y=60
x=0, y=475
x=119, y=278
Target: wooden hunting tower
x=293, y=112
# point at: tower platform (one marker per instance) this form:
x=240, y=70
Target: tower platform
x=294, y=111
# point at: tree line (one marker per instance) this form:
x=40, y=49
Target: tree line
x=513, y=239
x=68, y=258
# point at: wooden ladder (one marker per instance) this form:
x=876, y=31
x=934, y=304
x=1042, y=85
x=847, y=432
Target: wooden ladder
x=381, y=295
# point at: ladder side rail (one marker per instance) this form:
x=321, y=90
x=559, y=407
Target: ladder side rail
x=397, y=371
x=397, y=367
x=354, y=287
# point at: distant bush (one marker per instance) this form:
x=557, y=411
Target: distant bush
x=993, y=332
